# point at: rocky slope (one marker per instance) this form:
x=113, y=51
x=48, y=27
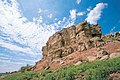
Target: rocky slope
x=77, y=45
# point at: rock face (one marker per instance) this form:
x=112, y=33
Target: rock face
x=79, y=38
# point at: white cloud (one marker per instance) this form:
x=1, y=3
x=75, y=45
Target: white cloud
x=78, y=1
x=38, y=19
x=95, y=14
x=50, y=15
x=112, y=29
x=73, y=14
x=59, y=22
x=11, y=66
x=55, y=19
x=89, y=8
x=67, y=22
x=40, y=10
x=32, y=34
x=80, y=13
x=15, y=48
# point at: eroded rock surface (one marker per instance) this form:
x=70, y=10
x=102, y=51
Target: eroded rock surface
x=80, y=43
x=81, y=37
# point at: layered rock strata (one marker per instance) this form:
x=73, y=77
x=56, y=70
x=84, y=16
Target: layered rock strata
x=77, y=44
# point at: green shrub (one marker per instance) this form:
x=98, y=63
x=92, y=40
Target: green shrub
x=98, y=70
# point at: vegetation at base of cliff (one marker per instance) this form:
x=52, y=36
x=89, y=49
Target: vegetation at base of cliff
x=25, y=68
x=98, y=70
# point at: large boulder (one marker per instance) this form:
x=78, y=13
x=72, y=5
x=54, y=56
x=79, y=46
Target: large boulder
x=80, y=27
x=101, y=53
x=115, y=55
x=78, y=63
x=91, y=58
x=105, y=57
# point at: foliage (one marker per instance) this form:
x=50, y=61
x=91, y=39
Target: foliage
x=25, y=68
x=98, y=70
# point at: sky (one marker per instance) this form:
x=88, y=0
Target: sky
x=26, y=25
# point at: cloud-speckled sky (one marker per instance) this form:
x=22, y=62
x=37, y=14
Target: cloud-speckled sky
x=26, y=25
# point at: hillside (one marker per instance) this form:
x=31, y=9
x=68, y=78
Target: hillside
x=79, y=52
x=98, y=70
x=77, y=45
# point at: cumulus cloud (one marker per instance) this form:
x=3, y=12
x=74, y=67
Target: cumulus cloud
x=78, y=1
x=95, y=14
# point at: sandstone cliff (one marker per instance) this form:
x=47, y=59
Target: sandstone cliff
x=78, y=44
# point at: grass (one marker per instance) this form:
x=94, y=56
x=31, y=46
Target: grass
x=98, y=70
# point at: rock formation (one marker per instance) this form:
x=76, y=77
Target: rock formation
x=76, y=44
x=69, y=40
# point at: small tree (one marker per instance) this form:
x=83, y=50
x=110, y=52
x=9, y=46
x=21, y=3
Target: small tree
x=25, y=68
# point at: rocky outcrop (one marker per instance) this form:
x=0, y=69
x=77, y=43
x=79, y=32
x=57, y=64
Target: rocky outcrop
x=111, y=37
x=81, y=37
x=77, y=44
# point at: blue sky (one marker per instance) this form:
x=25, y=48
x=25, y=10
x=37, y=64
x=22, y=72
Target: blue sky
x=26, y=25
